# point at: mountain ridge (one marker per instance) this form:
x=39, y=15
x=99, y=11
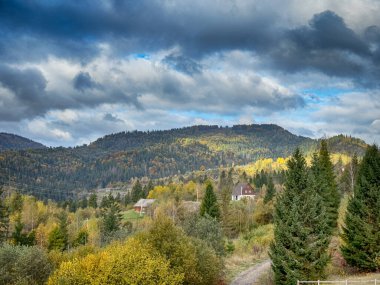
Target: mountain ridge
x=125, y=155
x=10, y=141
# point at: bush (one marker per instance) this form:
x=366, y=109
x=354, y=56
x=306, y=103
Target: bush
x=23, y=265
x=190, y=256
x=132, y=262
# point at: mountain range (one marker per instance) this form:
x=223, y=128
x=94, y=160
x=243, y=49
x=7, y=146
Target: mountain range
x=122, y=156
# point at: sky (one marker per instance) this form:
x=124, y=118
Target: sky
x=73, y=71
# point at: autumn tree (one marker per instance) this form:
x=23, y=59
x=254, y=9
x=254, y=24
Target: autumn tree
x=362, y=222
x=133, y=262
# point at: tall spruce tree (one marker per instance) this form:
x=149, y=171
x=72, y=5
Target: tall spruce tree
x=209, y=204
x=58, y=238
x=301, y=239
x=137, y=192
x=111, y=217
x=361, y=233
x=93, y=201
x=324, y=181
x=271, y=191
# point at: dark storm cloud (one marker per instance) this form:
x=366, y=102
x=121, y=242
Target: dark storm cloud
x=111, y=118
x=27, y=92
x=32, y=30
x=183, y=64
x=23, y=94
x=327, y=45
x=83, y=81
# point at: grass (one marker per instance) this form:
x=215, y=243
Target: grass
x=131, y=215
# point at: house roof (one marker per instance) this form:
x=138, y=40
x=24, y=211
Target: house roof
x=243, y=189
x=144, y=202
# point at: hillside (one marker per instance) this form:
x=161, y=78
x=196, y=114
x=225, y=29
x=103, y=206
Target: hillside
x=15, y=142
x=122, y=156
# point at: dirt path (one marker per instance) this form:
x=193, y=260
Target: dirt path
x=252, y=274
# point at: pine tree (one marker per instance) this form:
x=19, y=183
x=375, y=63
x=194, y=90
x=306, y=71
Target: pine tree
x=111, y=217
x=209, y=204
x=127, y=199
x=93, y=201
x=299, y=249
x=58, y=238
x=324, y=179
x=137, y=192
x=21, y=238
x=271, y=191
x=361, y=233
x=4, y=218
x=84, y=203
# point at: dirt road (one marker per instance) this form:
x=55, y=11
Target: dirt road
x=252, y=274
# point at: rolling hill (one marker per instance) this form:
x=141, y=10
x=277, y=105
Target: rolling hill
x=15, y=142
x=122, y=156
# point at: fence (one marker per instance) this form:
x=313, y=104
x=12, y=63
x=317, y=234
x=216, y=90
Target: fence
x=345, y=282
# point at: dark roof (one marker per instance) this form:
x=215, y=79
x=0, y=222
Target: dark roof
x=243, y=189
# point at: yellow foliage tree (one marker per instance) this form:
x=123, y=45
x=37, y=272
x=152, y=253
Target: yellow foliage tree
x=130, y=263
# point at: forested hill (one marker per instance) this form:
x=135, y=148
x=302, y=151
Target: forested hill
x=15, y=142
x=121, y=156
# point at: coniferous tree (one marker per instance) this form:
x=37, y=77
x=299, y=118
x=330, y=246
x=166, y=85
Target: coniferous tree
x=111, y=217
x=301, y=239
x=127, y=199
x=104, y=202
x=58, y=238
x=137, y=192
x=209, y=204
x=361, y=233
x=84, y=203
x=4, y=218
x=21, y=238
x=324, y=179
x=271, y=191
x=93, y=201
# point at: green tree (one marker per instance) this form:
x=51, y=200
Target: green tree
x=209, y=204
x=4, y=218
x=58, y=238
x=299, y=249
x=16, y=202
x=271, y=191
x=206, y=229
x=111, y=217
x=81, y=238
x=127, y=199
x=93, y=201
x=21, y=238
x=137, y=192
x=189, y=256
x=361, y=233
x=324, y=179
x=24, y=265
x=84, y=202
